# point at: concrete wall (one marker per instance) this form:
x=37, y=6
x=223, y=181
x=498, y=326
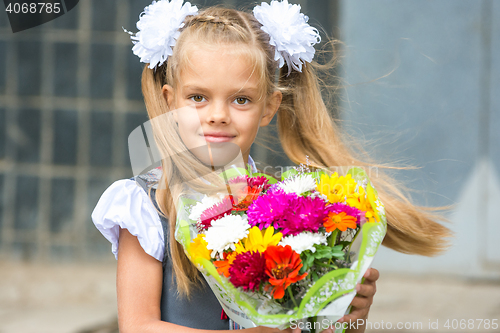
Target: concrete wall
x=423, y=80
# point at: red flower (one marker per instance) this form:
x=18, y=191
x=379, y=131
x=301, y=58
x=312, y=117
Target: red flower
x=282, y=267
x=247, y=194
x=248, y=270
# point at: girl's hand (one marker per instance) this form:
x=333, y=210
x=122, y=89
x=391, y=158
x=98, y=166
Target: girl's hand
x=364, y=298
x=360, y=305
x=362, y=302
x=275, y=330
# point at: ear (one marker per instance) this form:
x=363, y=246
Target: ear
x=168, y=94
x=272, y=106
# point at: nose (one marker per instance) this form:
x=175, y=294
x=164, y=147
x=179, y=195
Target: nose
x=218, y=113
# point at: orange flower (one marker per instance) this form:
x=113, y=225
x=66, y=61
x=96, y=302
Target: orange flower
x=282, y=267
x=223, y=265
x=340, y=221
x=246, y=197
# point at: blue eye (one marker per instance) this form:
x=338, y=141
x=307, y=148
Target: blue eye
x=197, y=98
x=242, y=100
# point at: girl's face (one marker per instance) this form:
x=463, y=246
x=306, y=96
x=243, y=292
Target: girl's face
x=220, y=84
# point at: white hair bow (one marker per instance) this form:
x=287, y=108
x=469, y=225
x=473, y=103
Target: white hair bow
x=291, y=35
x=159, y=26
x=160, y=23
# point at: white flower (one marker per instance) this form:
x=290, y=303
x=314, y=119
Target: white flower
x=304, y=241
x=159, y=26
x=298, y=184
x=315, y=194
x=291, y=35
x=205, y=203
x=225, y=233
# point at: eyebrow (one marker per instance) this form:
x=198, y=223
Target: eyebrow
x=239, y=91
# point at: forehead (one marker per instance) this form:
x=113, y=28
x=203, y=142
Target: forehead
x=211, y=64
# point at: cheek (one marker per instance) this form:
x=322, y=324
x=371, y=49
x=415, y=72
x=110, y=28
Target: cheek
x=250, y=123
x=189, y=127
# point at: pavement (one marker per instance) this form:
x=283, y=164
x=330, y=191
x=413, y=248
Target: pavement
x=81, y=298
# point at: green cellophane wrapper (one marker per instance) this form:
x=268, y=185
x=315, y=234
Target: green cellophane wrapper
x=327, y=299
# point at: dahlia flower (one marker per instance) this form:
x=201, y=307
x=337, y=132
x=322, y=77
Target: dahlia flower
x=248, y=270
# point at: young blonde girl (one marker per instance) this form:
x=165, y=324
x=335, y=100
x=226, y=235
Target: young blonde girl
x=223, y=63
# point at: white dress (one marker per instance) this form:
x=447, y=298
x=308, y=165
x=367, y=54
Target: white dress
x=124, y=204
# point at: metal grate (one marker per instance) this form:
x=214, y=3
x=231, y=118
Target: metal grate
x=69, y=97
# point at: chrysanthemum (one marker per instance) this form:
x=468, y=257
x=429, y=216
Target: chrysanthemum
x=225, y=233
x=259, y=240
x=215, y=212
x=304, y=241
x=198, y=248
x=269, y=209
x=298, y=184
x=342, y=217
x=261, y=182
x=304, y=214
x=205, y=203
x=248, y=270
x=290, y=213
x=336, y=188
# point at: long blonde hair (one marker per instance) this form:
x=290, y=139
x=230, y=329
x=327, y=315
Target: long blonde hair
x=306, y=127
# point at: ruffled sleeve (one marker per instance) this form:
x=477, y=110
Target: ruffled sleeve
x=126, y=205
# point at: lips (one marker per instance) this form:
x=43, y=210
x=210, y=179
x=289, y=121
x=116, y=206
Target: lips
x=218, y=137
x=210, y=138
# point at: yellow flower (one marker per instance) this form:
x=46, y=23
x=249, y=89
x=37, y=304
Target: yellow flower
x=369, y=215
x=362, y=202
x=199, y=248
x=336, y=188
x=259, y=240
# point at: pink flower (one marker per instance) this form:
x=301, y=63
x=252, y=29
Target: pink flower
x=287, y=212
x=269, y=209
x=214, y=213
x=305, y=214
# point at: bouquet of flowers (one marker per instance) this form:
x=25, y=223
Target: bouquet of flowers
x=277, y=252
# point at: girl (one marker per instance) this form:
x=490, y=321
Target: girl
x=223, y=63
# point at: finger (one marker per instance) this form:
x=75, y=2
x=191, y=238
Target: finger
x=366, y=290
x=362, y=302
x=371, y=275
x=355, y=315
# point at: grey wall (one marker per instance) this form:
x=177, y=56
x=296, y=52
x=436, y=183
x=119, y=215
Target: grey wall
x=70, y=95
x=423, y=82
